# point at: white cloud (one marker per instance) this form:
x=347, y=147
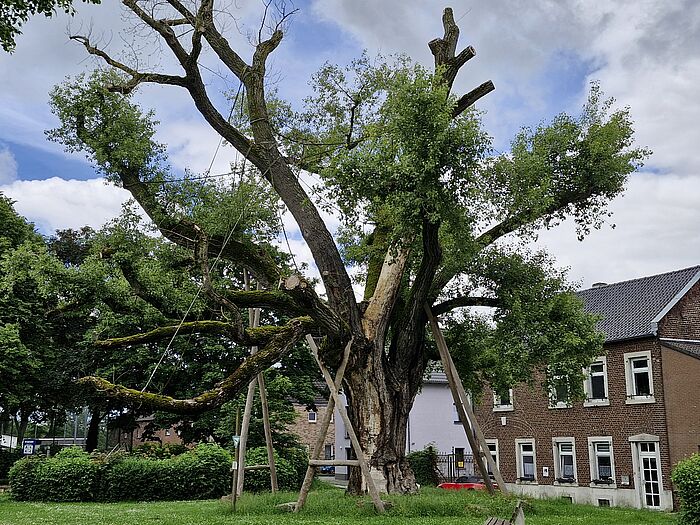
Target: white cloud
x=655, y=231
x=57, y=203
x=8, y=165
x=643, y=51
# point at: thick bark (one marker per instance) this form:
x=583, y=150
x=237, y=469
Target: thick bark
x=380, y=402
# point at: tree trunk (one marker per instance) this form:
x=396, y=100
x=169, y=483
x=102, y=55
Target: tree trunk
x=379, y=403
x=93, y=432
x=21, y=426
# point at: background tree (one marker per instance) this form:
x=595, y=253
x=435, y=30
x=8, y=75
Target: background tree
x=398, y=155
x=14, y=13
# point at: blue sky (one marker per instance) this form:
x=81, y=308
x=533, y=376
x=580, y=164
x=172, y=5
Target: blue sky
x=541, y=59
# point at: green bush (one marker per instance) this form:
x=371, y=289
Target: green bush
x=201, y=473
x=7, y=458
x=22, y=478
x=424, y=465
x=686, y=478
x=73, y=475
x=290, y=469
x=157, y=451
x=69, y=476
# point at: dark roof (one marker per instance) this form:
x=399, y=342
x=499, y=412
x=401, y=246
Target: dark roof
x=631, y=309
x=686, y=347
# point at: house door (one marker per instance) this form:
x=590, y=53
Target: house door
x=650, y=473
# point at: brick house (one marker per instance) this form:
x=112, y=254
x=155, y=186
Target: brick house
x=642, y=412
x=306, y=427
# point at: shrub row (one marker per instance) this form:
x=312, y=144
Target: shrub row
x=686, y=478
x=73, y=475
x=201, y=473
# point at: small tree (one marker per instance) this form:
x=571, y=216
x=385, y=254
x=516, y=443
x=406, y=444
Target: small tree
x=686, y=479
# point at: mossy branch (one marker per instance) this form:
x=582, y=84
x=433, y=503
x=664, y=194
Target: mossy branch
x=277, y=345
x=251, y=336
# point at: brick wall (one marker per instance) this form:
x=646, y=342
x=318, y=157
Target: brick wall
x=308, y=432
x=532, y=418
x=682, y=396
x=683, y=320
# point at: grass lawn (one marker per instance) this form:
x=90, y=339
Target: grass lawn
x=324, y=506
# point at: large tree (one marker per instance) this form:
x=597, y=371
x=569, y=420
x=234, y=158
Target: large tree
x=440, y=216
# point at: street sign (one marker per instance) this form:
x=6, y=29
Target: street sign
x=236, y=440
x=234, y=465
x=28, y=446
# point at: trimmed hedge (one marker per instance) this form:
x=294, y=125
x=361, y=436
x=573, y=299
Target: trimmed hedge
x=424, y=466
x=73, y=475
x=290, y=466
x=686, y=478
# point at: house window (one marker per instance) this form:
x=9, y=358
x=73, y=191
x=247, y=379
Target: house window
x=564, y=460
x=503, y=400
x=493, y=450
x=596, y=384
x=328, y=451
x=602, y=462
x=525, y=452
x=312, y=416
x=640, y=387
x=459, y=457
x=559, y=396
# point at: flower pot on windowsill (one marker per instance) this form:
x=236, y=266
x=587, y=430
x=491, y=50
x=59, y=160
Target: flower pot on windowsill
x=606, y=481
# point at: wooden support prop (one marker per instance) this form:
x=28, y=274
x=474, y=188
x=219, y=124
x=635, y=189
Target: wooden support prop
x=378, y=504
x=334, y=463
x=323, y=430
x=464, y=409
x=257, y=467
x=254, y=322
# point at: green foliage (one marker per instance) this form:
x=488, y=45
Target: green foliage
x=686, y=480
x=7, y=459
x=118, y=136
x=69, y=476
x=538, y=323
x=153, y=450
x=23, y=478
x=424, y=466
x=291, y=467
x=14, y=13
x=415, y=162
x=15, y=229
x=73, y=475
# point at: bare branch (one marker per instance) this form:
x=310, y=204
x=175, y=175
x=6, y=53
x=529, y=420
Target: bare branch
x=470, y=98
x=458, y=302
x=202, y=254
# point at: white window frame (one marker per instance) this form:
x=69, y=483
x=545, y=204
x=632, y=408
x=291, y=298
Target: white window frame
x=309, y=417
x=592, y=440
x=498, y=406
x=519, y=459
x=632, y=398
x=588, y=385
x=556, y=453
x=495, y=455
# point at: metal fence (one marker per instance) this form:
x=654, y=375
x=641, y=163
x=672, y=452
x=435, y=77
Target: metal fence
x=452, y=466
